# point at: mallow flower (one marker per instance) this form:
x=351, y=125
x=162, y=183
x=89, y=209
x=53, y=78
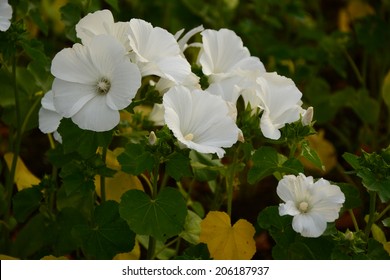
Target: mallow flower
x=93, y=82
x=224, y=55
x=280, y=103
x=199, y=120
x=312, y=204
x=5, y=15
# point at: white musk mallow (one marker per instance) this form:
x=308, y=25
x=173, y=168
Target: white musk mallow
x=200, y=121
x=312, y=204
x=93, y=82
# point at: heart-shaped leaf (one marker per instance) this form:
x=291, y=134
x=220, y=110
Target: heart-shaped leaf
x=226, y=242
x=107, y=236
x=160, y=218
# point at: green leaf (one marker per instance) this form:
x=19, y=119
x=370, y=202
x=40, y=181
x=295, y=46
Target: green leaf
x=279, y=227
x=178, y=166
x=108, y=234
x=352, y=159
x=197, y=252
x=386, y=222
x=352, y=196
x=64, y=242
x=84, y=142
x=160, y=218
x=32, y=238
x=266, y=161
x=205, y=168
x=26, y=202
x=311, y=155
x=191, y=228
x=366, y=107
x=386, y=90
x=135, y=159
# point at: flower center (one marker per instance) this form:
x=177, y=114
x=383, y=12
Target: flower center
x=189, y=137
x=103, y=86
x=303, y=206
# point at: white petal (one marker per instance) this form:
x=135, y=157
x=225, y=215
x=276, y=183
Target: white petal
x=309, y=224
x=223, y=52
x=94, y=24
x=126, y=80
x=268, y=128
x=176, y=69
x=69, y=97
x=151, y=43
x=288, y=208
x=106, y=53
x=47, y=101
x=48, y=120
x=157, y=115
x=5, y=15
x=74, y=65
x=95, y=115
x=203, y=117
x=184, y=40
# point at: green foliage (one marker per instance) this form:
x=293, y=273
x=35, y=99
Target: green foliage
x=107, y=235
x=162, y=217
x=267, y=161
x=374, y=170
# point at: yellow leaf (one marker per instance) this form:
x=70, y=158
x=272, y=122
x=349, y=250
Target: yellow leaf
x=6, y=257
x=117, y=185
x=226, y=242
x=121, y=182
x=53, y=258
x=23, y=177
x=356, y=9
x=386, y=246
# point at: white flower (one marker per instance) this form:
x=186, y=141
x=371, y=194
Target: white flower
x=281, y=103
x=312, y=204
x=93, y=82
x=5, y=15
x=157, y=52
x=100, y=23
x=223, y=55
x=199, y=120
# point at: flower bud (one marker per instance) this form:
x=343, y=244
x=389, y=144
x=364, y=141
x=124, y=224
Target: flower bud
x=152, y=138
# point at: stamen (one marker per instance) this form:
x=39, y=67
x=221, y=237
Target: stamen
x=189, y=137
x=103, y=86
x=303, y=206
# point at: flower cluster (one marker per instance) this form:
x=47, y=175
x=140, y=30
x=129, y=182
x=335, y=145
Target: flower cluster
x=96, y=79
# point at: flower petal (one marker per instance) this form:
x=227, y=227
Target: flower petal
x=70, y=97
x=126, y=80
x=48, y=120
x=94, y=24
x=95, y=115
x=199, y=120
x=309, y=224
x=5, y=15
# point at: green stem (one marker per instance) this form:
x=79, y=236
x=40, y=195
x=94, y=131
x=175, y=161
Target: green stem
x=17, y=140
x=355, y=69
x=103, y=178
x=371, y=217
x=381, y=214
x=355, y=224
x=152, y=240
